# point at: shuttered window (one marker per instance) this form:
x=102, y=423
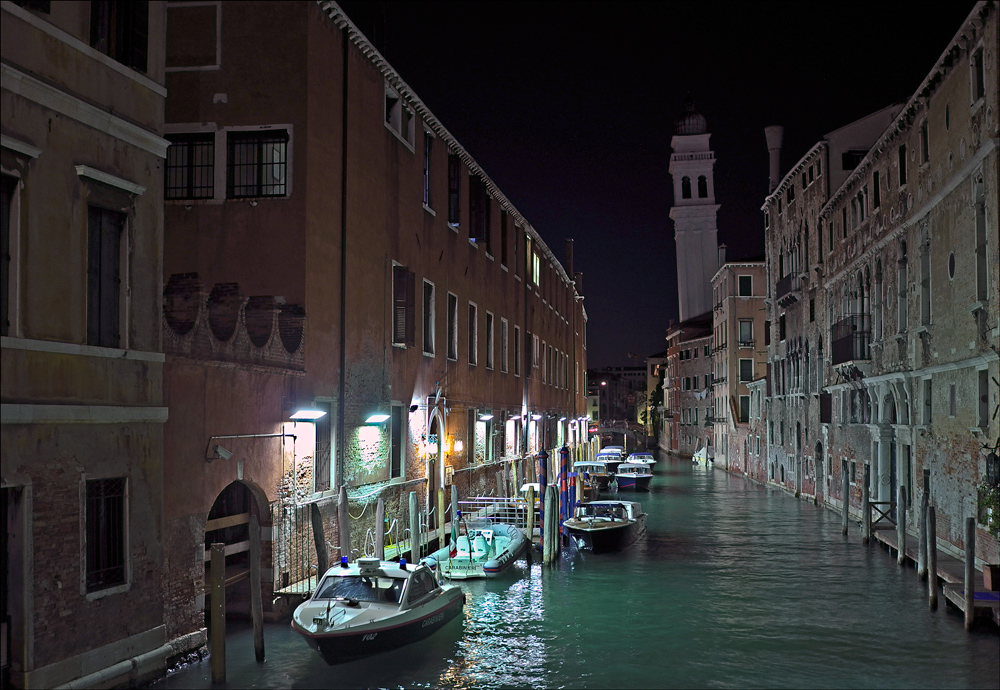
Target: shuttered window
x=120, y=30
x=403, y=287
x=103, y=280
x=105, y=533
x=8, y=184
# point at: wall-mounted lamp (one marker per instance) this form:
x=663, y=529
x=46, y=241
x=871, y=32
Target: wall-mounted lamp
x=219, y=453
x=562, y=419
x=308, y=415
x=536, y=416
x=459, y=446
x=377, y=418
x=514, y=418
x=485, y=417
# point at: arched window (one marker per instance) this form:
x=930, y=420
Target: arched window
x=685, y=187
x=702, y=187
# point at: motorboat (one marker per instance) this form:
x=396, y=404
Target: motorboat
x=606, y=525
x=372, y=606
x=612, y=456
x=633, y=476
x=487, y=549
x=642, y=456
x=595, y=472
x=703, y=456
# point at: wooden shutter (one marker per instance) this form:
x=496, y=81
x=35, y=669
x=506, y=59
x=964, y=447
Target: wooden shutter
x=399, y=304
x=9, y=184
x=103, y=280
x=454, y=186
x=411, y=312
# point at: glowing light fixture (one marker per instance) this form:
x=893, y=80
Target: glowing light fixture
x=485, y=418
x=562, y=419
x=377, y=418
x=536, y=416
x=307, y=415
x=459, y=446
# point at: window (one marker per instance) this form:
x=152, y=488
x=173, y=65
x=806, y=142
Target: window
x=843, y=220
x=706, y=350
x=452, y=326
x=397, y=435
x=790, y=193
x=503, y=238
x=928, y=402
x=190, y=172
x=744, y=409
x=685, y=187
x=323, y=456
x=746, y=370
x=398, y=116
x=746, y=286
x=257, y=163
x=901, y=155
x=104, y=234
x=812, y=309
x=849, y=160
x=403, y=287
x=536, y=269
x=517, y=350
x=454, y=189
x=489, y=340
x=120, y=30
x=9, y=185
x=106, y=533
x=746, y=333
x=952, y=401
x=428, y=141
x=901, y=289
x=925, y=151
x=781, y=327
x=876, y=191
x=984, y=399
x=982, y=263
x=473, y=334
x=478, y=210
x=977, y=75
x=702, y=187
x=925, y=283
x=503, y=345
x=34, y=5
x=428, y=318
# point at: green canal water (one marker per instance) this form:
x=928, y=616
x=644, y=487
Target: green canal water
x=732, y=586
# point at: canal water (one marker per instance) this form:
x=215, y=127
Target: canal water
x=732, y=586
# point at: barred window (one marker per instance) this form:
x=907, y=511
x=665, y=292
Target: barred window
x=257, y=163
x=105, y=533
x=190, y=166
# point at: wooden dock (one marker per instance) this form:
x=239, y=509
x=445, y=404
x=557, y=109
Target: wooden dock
x=951, y=571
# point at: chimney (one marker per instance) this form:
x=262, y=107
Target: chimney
x=773, y=135
x=722, y=255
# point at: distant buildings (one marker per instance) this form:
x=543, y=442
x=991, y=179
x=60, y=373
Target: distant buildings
x=619, y=393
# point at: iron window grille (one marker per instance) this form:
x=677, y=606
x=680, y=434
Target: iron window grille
x=105, y=533
x=190, y=166
x=257, y=164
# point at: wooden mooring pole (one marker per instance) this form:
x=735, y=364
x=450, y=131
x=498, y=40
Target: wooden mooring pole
x=866, y=510
x=530, y=526
x=932, y=596
x=380, y=529
x=901, y=526
x=845, y=492
x=970, y=571
x=217, y=642
x=414, y=528
x=319, y=537
x=256, y=605
x=922, y=535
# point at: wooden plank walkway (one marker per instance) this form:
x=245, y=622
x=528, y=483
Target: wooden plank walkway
x=952, y=572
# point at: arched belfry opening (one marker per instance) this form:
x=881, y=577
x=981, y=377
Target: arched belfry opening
x=229, y=523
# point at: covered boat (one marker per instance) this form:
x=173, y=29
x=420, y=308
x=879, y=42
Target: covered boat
x=633, y=476
x=606, y=525
x=487, y=549
x=612, y=456
x=372, y=606
x=595, y=472
x=643, y=456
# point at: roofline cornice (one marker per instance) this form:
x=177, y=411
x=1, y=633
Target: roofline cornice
x=964, y=38
x=336, y=14
x=810, y=155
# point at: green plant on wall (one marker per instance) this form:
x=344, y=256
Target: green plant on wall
x=988, y=508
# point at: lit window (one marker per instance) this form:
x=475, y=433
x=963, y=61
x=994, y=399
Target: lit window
x=257, y=163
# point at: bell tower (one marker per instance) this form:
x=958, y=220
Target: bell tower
x=694, y=212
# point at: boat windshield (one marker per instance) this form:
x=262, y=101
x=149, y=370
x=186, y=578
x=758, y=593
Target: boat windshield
x=361, y=588
x=604, y=510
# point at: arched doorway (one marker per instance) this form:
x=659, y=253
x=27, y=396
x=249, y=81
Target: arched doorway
x=229, y=523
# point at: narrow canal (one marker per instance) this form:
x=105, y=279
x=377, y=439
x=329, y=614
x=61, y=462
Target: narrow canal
x=733, y=585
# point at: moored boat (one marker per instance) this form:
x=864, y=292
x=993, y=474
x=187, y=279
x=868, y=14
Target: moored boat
x=372, y=606
x=487, y=549
x=643, y=456
x=633, y=476
x=612, y=456
x=595, y=472
x=606, y=525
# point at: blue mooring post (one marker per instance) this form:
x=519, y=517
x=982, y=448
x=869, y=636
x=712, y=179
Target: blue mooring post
x=563, y=489
x=543, y=482
x=571, y=483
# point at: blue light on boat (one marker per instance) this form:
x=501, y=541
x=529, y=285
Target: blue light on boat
x=343, y=561
x=402, y=563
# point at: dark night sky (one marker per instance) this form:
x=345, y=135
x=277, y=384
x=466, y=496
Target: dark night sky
x=570, y=108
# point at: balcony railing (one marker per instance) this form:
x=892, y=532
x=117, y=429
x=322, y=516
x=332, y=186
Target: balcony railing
x=783, y=291
x=746, y=343
x=851, y=337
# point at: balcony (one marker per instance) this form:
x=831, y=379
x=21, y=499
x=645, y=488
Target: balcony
x=787, y=290
x=746, y=343
x=850, y=338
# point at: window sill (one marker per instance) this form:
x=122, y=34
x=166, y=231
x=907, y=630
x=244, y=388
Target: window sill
x=976, y=306
x=428, y=354
x=430, y=210
x=100, y=594
x=454, y=227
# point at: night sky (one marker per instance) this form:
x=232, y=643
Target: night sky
x=570, y=107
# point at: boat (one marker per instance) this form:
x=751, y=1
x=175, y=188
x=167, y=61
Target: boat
x=633, y=476
x=487, y=549
x=595, y=473
x=372, y=606
x=612, y=456
x=642, y=456
x=703, y=456
x=606, y=525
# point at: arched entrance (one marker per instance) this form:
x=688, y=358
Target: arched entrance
x=888, y=478
x=229, y=523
